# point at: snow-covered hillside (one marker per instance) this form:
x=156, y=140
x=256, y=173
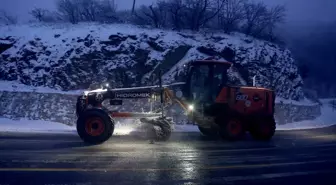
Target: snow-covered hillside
x=72, y=57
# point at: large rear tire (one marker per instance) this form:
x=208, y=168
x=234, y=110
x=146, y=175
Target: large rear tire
x=95, y=126
x=263, y=128
x=231, y=129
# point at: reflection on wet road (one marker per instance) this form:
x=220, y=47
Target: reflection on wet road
x=292, y=157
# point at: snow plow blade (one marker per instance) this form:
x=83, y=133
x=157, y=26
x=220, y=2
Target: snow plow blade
x=161, y=130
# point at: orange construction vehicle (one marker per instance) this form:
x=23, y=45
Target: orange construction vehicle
x=206, y=97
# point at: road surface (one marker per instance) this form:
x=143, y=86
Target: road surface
x=292, y=157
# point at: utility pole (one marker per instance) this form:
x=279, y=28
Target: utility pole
x=133, y=7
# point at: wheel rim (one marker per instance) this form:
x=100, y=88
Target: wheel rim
x=234, y=127
x=94, y=126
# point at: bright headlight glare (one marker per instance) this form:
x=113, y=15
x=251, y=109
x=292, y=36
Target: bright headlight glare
x=191, y=107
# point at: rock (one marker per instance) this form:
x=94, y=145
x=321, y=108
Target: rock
x=116, y=39
x=228, y=54
x=155, y=46
x=171, y=58
x=4, y=47
x=217, y=38
x=133, y=37
x=207, y=51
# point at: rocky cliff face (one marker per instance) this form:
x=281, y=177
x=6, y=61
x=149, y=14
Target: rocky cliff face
x=81, y=56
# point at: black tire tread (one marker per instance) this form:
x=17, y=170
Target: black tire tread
x=109, y=126
x=255, y=133
x=225, y=134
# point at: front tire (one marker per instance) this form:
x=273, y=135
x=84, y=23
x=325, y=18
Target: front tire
x=263, y=129
x=95, y=126
x=231, y=129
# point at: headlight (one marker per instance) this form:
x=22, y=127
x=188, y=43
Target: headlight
x=191, y=107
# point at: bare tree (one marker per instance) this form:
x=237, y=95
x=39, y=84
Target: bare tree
x=275, y=16
x=39, y=14
x=7, y=18
x=156, y=14
x=69, y=10
x=133, y=6
x=197, y=13
x=88, y=10
x=108, y=11
x=231, y=15
x=175, y=9
x=255, y=14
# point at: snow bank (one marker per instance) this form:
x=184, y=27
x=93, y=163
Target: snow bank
x=304, y=102
x=327, y=118
x=36, y=126
x=40, y=126
x=186, y=128
x=13, y=86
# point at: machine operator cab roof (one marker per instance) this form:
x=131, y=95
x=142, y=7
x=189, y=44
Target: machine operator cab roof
x=206, y=78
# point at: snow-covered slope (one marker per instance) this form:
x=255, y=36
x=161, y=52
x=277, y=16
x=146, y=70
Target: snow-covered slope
x=72, y=57
x=14, y=86
x=327, y=118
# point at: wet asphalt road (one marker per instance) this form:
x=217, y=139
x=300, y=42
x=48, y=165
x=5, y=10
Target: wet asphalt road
x=292, y=157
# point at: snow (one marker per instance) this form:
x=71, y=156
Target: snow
x=186, y=128
x=327, y=118
x=192, y=54
x=5, y=42
x=58, y=44
x=40, y=126
x=36, y=126
x=304, y=102
x=13, y=86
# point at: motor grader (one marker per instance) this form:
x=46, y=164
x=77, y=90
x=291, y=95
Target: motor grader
x=216, y=107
